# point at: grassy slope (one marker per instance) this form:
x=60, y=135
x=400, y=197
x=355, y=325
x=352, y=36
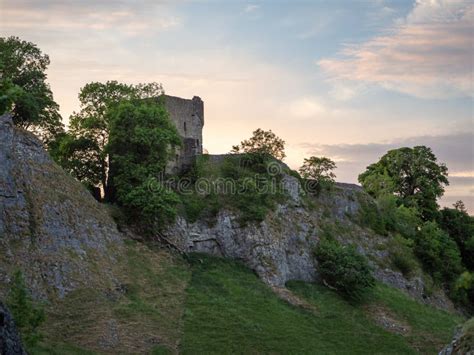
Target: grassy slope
x=228, y=310
x=144, y=314
x=466, y=342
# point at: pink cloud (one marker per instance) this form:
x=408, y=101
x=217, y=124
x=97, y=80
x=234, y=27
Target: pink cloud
x=429, y=54
x=122, y=18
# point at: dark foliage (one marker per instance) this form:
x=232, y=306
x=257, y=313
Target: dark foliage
x=460, y=227
x=412, y=174
x=344, y=269
x=142, y=139
x=24, y=91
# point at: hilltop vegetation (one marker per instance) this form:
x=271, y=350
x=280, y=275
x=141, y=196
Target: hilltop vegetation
x=113, y=289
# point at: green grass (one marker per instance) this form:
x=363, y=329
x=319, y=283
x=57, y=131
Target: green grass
x=219, y=306
x=146, y=310
x=429, y=329
x=229, y=310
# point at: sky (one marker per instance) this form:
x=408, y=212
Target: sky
x=344, y=79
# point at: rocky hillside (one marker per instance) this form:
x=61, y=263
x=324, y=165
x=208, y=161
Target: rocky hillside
x=75, y=262
x=281, y=247
x=106, y=293
x=51, y=229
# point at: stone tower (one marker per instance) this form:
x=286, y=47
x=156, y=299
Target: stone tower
x=188, y=116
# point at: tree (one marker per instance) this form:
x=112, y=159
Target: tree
x=78, y=156
x=83, y=152
x=379, y=185
x=463, y=290
x=460, y=227
x=438, y=253
x=262, y=142
x=413, y=174
x=142, y=140
x=459, y=205
x=319, y=170
x=24, y=91
x=9, y=92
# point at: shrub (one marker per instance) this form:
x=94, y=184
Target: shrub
x=460, y=227
x=406, y=221
x=28, y=317
x=371, y=216
x=245, y=183
x=438, y=253
x=196, y=206
x=344, y=269
x=402, y=256
x=384, y=215
x=463, y=291
x=151, y=203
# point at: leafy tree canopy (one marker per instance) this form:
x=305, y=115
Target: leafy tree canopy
x=142, y=139
x=438, y=253
x=23, y=88
x=262, y=142
x=319, y=170
x=82, y=151
x=460, y=227
x=413, y=174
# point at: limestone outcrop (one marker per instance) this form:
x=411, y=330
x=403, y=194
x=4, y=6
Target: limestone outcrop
x=51, y=228
x=281, y=247
x=62, y=239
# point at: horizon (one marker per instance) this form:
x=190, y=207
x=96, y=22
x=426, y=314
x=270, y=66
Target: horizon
x=328, y=83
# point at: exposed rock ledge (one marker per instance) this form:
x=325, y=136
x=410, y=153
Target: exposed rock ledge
x=280, y=248
x=51, y=228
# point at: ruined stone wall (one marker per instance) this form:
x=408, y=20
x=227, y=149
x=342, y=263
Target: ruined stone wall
x=188, y=116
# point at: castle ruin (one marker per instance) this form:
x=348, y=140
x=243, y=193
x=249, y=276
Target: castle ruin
x=188, y=117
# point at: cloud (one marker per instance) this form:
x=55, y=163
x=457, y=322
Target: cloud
x=123, y=17
x=428, y=54
x=251, y=8
x=306, y=107
x=455, y=150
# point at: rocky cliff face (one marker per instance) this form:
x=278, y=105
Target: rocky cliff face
x=281, y=247
x=112, y=296
x=62, y=239
x=10, y=343
x=50, y=226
